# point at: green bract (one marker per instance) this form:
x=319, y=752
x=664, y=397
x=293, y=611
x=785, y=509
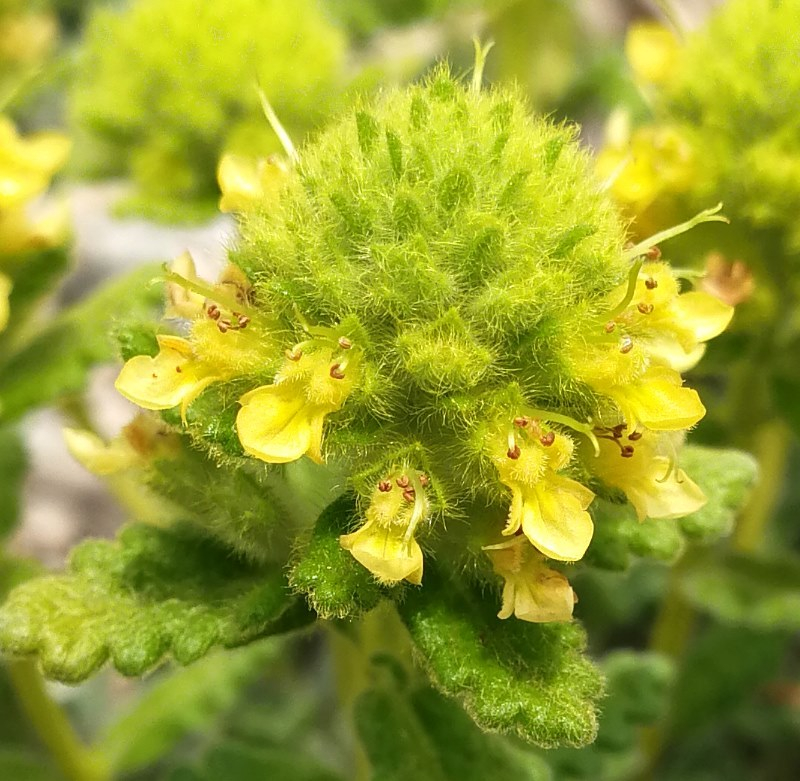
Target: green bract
x=164, y=88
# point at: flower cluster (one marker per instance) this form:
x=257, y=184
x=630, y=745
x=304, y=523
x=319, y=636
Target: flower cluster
x=438, y=302
x=26, y=167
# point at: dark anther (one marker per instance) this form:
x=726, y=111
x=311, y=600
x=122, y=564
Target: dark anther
x=618, y=429
x=548, y=438
x=223, y=325
x=635, y=436
x=654, y=253
x=521, y=422
x=625, y=345
x=295, y=354
x=213, y=311
x=644, y=308
x=336, y=372
x=650, y=283
x=626, y=451
x=609, y=327
x=403, y=481
x=345, y=343
x=513, y=452
x=178, y=369
x=424, y=481
x=243, y=321
x=385, y=486
x=409, y=494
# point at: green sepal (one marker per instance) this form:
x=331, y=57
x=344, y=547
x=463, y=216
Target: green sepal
x=334, y=583
x=151, y=593
x=726, y=477
x=759, y=591
x=515, y=677
x=426, y=736
x=56, y=360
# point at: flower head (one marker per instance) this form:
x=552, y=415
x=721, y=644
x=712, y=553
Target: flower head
x=385, y=544
x=531, y=591
x=549, y=508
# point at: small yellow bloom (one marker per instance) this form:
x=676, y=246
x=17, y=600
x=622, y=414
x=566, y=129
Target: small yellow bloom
x=638, y=466
x=248, y=184
x=549, y=508
x=532, y=591
x=174, y=376
x=5, y=291
x=181, y=301
x=652, y=51
x=385, y=544
x=282, y=422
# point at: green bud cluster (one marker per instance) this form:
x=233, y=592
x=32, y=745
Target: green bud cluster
x=162, y=89
x=462, y=244
x=735, y=92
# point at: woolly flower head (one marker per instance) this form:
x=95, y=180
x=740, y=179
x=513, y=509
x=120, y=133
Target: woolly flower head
x=163, y=88
x=439, y=304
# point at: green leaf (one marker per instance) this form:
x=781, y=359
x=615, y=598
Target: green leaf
x=55, y=361
x=334, y=583
x=13, y=462
x=532, y=680
x=726, y=477
x=17, y=765
x=241, y=762
x=184, y=702
x=150, y=593
x=759, y=591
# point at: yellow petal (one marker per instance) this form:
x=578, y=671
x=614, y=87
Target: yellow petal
x=170, y=378
x=538, y=594
x=667, y=350
x=239, y=182
x=705, y=315
x=278, y=425
x=653, y=496
x=182, y=302
x=5, y=290
x=658, y=401
x=555, y=519
x=651, y=50
x=385, y=552
x=99, y=457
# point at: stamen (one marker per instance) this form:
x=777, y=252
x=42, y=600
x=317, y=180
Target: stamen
x=654, y=253
x=336, y=371
x=644, y=308
x=548, y=439
x=295, y=354
x=635, y=436
x=521, y=422
x=513, y=451
x=224, y=326
x=409, y=494
x=584, y=428
x=609, y=327
x=626, y=345
x=213, y=311
x=650, y=283
x=345, y=343
x=424, y=481
x=178, y=369
x=627, y=451
x=403, y=481
x=384, y=486
x=243, y=320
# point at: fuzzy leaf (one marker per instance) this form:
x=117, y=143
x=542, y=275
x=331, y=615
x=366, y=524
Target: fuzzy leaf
x=55, y=361
x=239, y=762
x=13, y=462
x=427, y=736
x=186, y=701
x=760, y=592
x=726, y=477
x=150, y=593
x=334, y=583
x=532, y=680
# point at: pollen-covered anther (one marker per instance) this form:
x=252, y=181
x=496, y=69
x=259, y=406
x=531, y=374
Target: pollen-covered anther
x=548, y=439
x=654, y=253
x=242, y=320
x=336, y=371
x=213, y=311
x=384, y=486
x=645, y=308
x=635, y=436
x=344, y=343
x=521, y=421
x=424, y=481
x=609, y=327
x=295, y=354
x=627, y=451
x=224, y=326
x=650, y=283
x=403, y=482
x=409, y=494
x=625, y=345
x=513, y=452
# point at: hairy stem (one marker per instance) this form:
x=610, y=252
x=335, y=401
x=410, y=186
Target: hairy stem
x=74, y=760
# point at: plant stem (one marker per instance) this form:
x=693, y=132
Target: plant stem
x=74, y=760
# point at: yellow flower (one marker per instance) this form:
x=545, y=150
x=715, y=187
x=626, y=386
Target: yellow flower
x=549, y=508
x=652, y=51
x=249, y=184
x=532, y=591
x=174, y=376
x=5, y=290
x=26, y=167
x=385, y=544
x=637, y=464
x=282, y=422
x=181, y=300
